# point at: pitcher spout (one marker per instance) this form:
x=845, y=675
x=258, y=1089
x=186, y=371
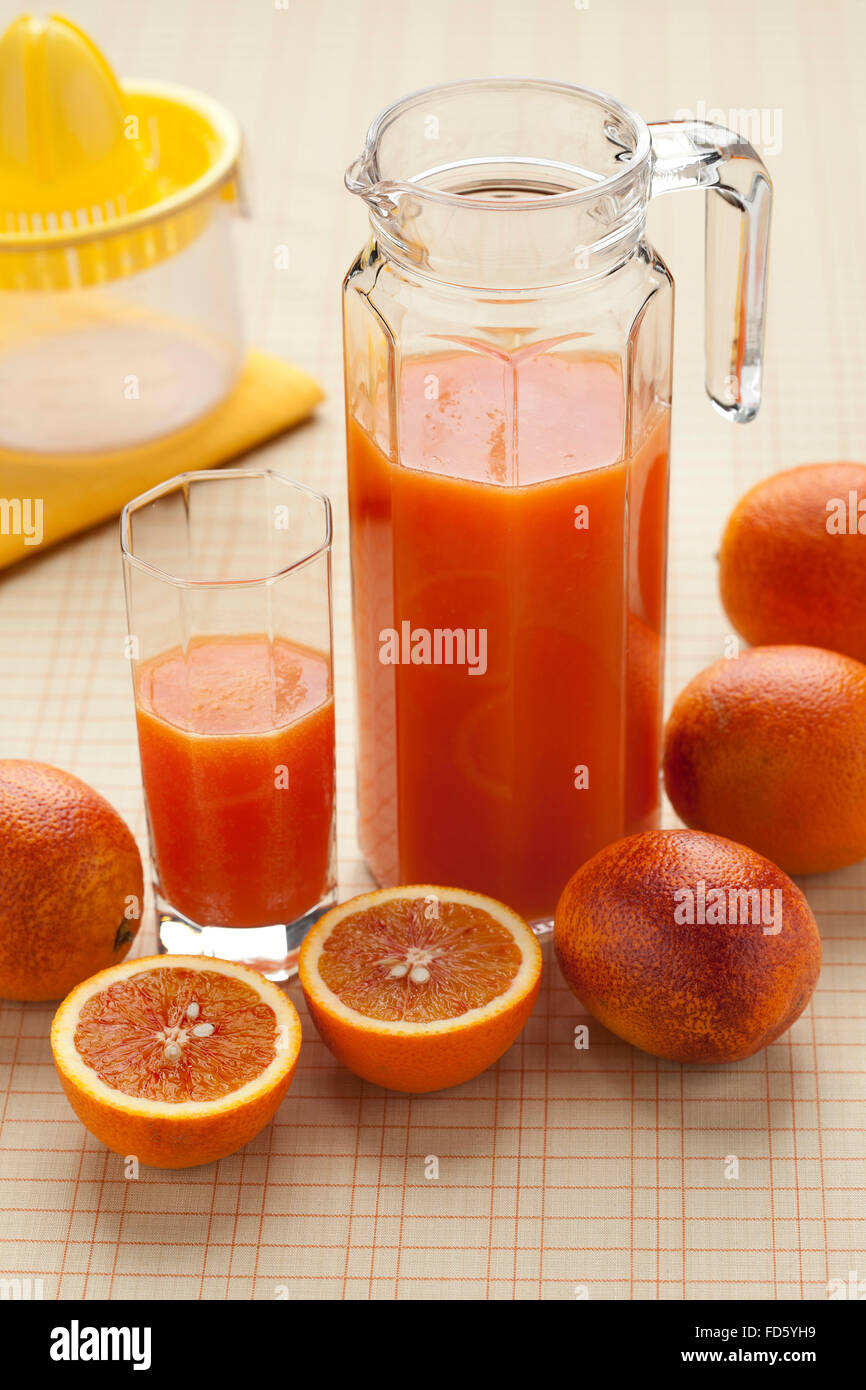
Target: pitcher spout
x=381, y=195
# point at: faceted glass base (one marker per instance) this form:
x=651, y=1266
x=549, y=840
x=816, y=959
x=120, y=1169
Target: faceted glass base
x=543, y=928
x=272, y=950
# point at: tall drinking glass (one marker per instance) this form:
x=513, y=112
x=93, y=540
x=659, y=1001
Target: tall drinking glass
x=228, y=593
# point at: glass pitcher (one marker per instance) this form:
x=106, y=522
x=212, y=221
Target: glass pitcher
x=508, y=334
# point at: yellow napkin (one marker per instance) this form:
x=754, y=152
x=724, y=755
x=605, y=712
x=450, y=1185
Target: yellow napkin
x=77, y=491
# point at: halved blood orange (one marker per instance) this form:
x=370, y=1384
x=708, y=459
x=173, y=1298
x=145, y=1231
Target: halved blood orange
x=420, y=988
x=178, y=1060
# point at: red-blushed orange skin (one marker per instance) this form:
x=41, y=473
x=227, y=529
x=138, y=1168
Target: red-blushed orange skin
x=769, y=749
x=159, y=1142
x=69, y=872
x=690, y=993
x=783, y=577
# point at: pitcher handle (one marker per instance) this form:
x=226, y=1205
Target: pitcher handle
x=693, y=154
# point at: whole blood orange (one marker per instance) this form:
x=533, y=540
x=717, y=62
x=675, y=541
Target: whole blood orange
x=792, y=564
x=71, y=884
x=687, y=945
x=770, y=749
x=178, y=1060
x=420, y=988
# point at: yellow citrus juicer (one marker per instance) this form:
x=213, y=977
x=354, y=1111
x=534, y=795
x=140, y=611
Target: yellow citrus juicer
x=119, y=314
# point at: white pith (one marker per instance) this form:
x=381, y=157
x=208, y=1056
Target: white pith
x=524, y=938
x=86, y=1079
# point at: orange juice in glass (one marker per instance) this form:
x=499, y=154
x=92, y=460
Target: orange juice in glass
x=229, y=610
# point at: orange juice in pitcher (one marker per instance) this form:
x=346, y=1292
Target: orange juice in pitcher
x=508, y=365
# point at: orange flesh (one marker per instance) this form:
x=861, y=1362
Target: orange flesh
x=122, y=1034
x=468, y=956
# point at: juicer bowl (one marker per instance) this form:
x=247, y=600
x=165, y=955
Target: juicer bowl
x=120, y=319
